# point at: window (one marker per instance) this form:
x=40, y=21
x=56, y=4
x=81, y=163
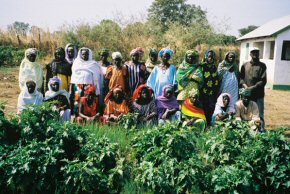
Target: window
x=286, y=50
x=260, y=45
x=247, y=51
x=272, y=48
x=269, y=50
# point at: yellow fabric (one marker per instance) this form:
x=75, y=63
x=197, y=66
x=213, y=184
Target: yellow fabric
x=65, y=81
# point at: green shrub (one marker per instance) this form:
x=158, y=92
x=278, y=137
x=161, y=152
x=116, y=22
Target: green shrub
x=54, y=157
x=10, y=55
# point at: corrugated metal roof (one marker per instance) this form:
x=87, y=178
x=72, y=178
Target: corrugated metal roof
x=270, y=28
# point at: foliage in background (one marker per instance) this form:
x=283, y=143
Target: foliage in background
x=247, y=29
x=10, y=56
x=175, y=24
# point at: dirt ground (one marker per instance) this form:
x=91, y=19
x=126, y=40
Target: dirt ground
x=277, y=103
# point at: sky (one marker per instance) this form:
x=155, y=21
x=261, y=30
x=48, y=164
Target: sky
x=226, y=16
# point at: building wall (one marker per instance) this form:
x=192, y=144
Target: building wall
x=282, y=70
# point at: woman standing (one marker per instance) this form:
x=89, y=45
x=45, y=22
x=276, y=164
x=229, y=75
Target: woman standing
x=85, y=71
x=31, y=69
x=228, y=73
x=189, y=75
x=162, y=74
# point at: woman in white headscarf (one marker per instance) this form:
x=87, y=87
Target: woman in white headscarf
x=224, y=108
x=85, y=71
x=29, y=96
x=31, y=69
x=60, y=96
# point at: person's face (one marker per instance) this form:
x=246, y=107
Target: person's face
x=135, y=57
x=153, y=57
x=118, y=62
x=210, y=57
x=165, y=58
x=255, y=55
x=59, y=56
x=193, y=99
x=30, y=87
x=231, y=58
x=118, y=95
x=54, y=86
x=245, y=100
x=71, y=52
x=91, y=97
x=191, y=59
x=85, y=54
x=168, y=93
x=31, y=57
x=226, y=101
x=145, y=94
x=104, y=57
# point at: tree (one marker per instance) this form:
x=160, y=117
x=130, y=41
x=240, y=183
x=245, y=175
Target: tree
x=247, y=29
x=20, y=28
x=165, y=12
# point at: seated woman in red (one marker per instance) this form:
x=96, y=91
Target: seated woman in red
x=88, y=107
x=116, y=105
x=144, y=105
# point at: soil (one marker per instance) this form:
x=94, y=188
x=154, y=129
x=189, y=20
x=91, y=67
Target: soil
x=277, y=103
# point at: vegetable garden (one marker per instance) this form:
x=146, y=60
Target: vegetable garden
x=39, y=154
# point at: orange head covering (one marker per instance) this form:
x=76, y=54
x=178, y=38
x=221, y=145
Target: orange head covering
x=110, y=93
x=137, y=92
x=90, y=89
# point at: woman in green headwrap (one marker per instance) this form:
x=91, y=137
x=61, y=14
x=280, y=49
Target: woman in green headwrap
x=189, y=74
x=152, y=60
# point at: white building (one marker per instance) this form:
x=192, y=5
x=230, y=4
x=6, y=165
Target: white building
x=273, y=40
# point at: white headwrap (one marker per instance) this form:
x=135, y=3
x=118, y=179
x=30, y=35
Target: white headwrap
x=86, y=72
x=220, y=103
x=66, y=53
x=116, y=55
x=25, y=98
x=51, y=94
x=30, y=70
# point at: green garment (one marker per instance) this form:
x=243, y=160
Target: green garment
x=188, y=76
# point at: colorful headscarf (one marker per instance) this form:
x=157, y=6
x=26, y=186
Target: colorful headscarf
x=225, y=65
x=163, y=102
x=206, y=56
x=166, y=51
x=137, y=92
x=116, y=55
x=110, y=93
x=137, y=50
x=90, y=89
x=153, y=51
x=186, y=70
x=245, y=92
x=104, y=51
x=191, y=110
x=191, y=53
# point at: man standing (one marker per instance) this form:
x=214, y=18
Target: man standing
x=254, y=78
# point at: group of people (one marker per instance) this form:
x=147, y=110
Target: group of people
x=196, y=93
